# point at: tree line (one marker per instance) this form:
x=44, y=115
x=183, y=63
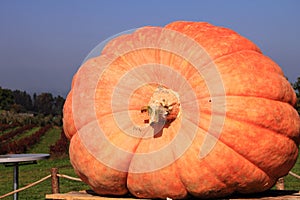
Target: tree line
x=21, y=102
x=296, y=87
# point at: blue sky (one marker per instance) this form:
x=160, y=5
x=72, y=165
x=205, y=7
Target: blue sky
x=42, y=43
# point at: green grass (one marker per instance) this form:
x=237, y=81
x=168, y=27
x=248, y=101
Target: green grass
x=50, y=137
x=8, y=130
x=26, y=133
x=23, y=134
x=290, y=182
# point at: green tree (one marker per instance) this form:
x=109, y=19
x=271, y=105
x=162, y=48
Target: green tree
x=6, y=99
x=23, y=99
x=58, y=105
x=43, y=103
x=296, y=87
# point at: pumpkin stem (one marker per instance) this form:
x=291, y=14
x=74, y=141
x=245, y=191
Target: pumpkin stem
x=163, y=107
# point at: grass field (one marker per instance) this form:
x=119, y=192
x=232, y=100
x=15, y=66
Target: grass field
x=34, y=172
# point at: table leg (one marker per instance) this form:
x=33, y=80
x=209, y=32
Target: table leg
x=16, y=180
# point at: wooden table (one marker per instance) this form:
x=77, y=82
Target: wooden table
x=84, y=195
x=268, y=195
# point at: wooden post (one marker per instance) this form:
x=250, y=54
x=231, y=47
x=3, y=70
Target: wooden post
x=54, y=181
x=280, y=184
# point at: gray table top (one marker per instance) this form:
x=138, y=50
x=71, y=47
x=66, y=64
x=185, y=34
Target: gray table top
x=16, y=158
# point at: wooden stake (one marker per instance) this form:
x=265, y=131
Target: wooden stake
x=54, y=180
x=280, y=184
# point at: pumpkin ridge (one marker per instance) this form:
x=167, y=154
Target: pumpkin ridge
x=279, y=70
x=248, y=160
x=253, y=162
x=133, y=150
x=294, y=139
x=260, y=97
x=246, y=96
x=232, y=186
x=198, y=30
x=95, y=161
x=228, y=145
x=204, y=163
x=234, y=52
x=176, y=165
x=218, y=176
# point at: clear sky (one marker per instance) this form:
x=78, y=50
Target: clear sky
x=42, y=43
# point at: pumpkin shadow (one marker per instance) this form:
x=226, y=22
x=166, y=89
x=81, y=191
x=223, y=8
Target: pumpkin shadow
x=159, y=128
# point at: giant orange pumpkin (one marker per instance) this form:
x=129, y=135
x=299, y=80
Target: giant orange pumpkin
x=188, y=109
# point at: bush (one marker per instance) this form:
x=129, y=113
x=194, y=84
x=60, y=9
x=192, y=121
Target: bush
x=61, y=147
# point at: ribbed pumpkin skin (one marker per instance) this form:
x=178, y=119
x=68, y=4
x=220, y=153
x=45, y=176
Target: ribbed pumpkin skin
x=259, y=139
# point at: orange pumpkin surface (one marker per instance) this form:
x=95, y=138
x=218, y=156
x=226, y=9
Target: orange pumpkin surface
x=188, y=109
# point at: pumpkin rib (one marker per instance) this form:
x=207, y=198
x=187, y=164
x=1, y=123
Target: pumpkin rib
x=259, y=97
x=277, y=70
x=176, y=165
x=215, y=175
x=244, y=96
x=208, y=36
x=234, y=188
x=280, y=104
x=85, y=163
x=69, y=125
x=294, y=139
x=108, y=137
x=286, y=97
x=213, y=171
x=275, y=175
x=275, y=67
x=216, y=178
x=193, y=188
x=249, y=161
x=116, y=133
